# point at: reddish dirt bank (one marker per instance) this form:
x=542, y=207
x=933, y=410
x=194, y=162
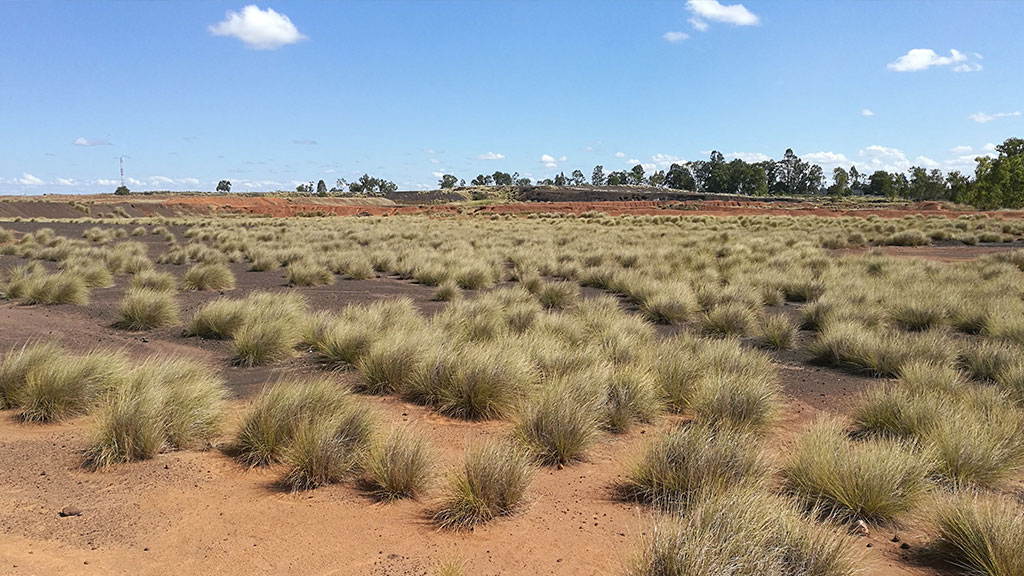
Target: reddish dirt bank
x=275, y=206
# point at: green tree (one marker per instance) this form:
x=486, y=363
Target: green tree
x=122, y=190
x=959, y=186
x=224, y=186
x=447, y=181
x=577, y=178
x=636, y=175
x=880, y=183
x=482, y=180
x=926, y=185
x=657, y=179
x=679, y=177
x=321, y=188
x=999, y=182
x=840, y=182
x=502, y=178
x=597, y=177
x=559, y=179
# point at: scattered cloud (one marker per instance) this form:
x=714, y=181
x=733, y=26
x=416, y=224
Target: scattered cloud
x=90, y=142
x=305, y=142
x=926, y=162
x=66, y=181
x=490, y=156
x=675, y=37
x=705, y=11
x=435, y=161
x=547, y=158
x=633, y=161
x=983, y=118
x=106, y=182
x=924, y=58
x=866, y=112
x=883, y=158
x=620, y=154
x=748, y=156
x=826, y=159
x=258, y=29
x=990, y=147
x=29, y=180
x=550, y=161
x=438, y=174
x=667, y=160
x=961, y=149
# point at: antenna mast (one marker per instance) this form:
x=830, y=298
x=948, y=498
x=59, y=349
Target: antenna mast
x=122, y=171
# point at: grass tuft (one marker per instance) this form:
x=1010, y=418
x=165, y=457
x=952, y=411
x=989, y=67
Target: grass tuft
x=209, y=277
x=492, y=483
x=144, y=309
x=399, y=466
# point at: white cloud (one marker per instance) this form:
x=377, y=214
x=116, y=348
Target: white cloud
x=649, y=167
x=192, y=181
x=990, y=147
x=438, y=174
x=866, y=112
x=882, y=158
x=66, y=181
x=620, y=154
x=826, y=159
x=982, y=118
x=967, y=67
x=926, y=162
x=961, y=149
x=547, y=158
x=29, y=180
x=666, y=160
x=160, y=180
x=714, y=11
x=748, y=156
x=490, y=156
x=258, y=29
x=675, y=37
x=550, y=165
x=435, y=161
x=924, y=58
x=106, y=182
x=550, y=161
x=90, y=142
x=633, y=161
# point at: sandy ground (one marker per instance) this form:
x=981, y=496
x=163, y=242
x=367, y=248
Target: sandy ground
x=204, y=513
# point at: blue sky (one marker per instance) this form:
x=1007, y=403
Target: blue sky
x=284, y=92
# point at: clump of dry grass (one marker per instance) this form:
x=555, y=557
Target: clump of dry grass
x=728, y=319
x=205, y=276
x=744, y=532
x=632, y=397
x=68, y=385
x=491, y=483
x=561, y=422
x=776, y=331
x=875, y=480
x=308, y=273
x=691, y=463
x=981, y=534
x=400, y=465
x=327, y=450
x=153, y=280
x=144, y=309
x=19, y=363
x=162, y=403
x=281, y=410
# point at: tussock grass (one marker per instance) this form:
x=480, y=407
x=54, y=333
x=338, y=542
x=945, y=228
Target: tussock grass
x=632, y=397
x=161, y=404
x=986, y=360
x=358, y=327
x=308, y=273
x=558, y=295
x=918, y=314
x=400, y=465
x=68, y=386
x=205, y=276
x=263, y=342
x=273, y=418
x=474, y=381
x=218, y=319
x=691, y=463
x=561, y=422
x=447, y=291
x=853, y=347
x=19, y=363
x=327, y=449
x=776, y=331
x=144, y=309
x=729, y=319
x=391, y=361
x=61, y=288
x=492, y=482
x=153, y=280
x=668, y=307
x=475, y=276
x=744, y=533
x=981, y=534
x=875, y=480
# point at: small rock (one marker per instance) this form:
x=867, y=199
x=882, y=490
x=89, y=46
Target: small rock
x=904, y=546
x=869, y=545
x=895, y=538
x=70, y=511
x=145, y=339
